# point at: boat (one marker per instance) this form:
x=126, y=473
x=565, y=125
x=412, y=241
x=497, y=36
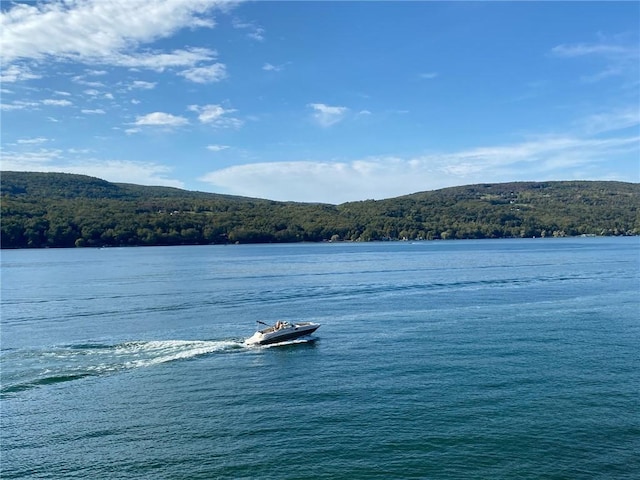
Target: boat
x=281, y=332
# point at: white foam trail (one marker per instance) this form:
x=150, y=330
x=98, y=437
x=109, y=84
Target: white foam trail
x=37, y=368
x=163, y=351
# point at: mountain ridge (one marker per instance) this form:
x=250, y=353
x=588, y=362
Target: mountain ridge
x=66, y=210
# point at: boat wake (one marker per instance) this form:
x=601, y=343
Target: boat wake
x=27, y=369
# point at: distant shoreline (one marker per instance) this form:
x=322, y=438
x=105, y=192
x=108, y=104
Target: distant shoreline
x=338, y=242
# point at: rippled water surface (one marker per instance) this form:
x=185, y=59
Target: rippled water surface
x=493, y=359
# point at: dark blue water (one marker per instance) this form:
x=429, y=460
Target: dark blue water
x=437, y=360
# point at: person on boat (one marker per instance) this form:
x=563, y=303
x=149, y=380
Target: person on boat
x=278, y=325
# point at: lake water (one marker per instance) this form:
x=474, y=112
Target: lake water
x=494, y=359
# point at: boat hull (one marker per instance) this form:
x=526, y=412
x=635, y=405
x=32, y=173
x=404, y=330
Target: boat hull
x=291, y=332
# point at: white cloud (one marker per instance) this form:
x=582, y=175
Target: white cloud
x=19, y=105
x=326, y=182
x=124, y=171
x=160, y=61
x=216, y=115
x=269, y=67
x=80, y=80
x=208, y=74
x=255, y=32
x=532, y=155
x=95, y=111
x=326, y=115
x=619, y=55
x=544, y=158
x=161, y=119
x=31, y=160
x=24, y=105
x=103, y=32
x=142, y=85
x=429, y=75
x=602, y=49
x=611, y=121
x=56, y=103
x=32, y=141
x=93, y=28
x=17, y=73
x=217, y=148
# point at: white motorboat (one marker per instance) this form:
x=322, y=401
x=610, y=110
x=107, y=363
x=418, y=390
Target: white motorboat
x=281, y=332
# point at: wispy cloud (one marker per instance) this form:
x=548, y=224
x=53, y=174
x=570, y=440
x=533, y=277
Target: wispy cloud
x=600, y=49
x=428, y=75
x=17, y=73
x=141, y=85
x=545, y=157
x=578, y=151
x=75, y=161
x=82, y=80
x=19, y=105
x=161, y=119
x=209, y=74
x=254, y=31
x=125, y=171
x=94, y=111
x=327, y=115
x=56, y=103
x=217, y=148
x=159, y=61
x=619, y=55
x=269, y=67
x=216, y=115
x=610, y=121
x=39, y=160
x=32, y=141
x=35, y=105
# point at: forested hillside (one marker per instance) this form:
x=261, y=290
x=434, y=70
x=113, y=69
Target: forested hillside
x=63, y=210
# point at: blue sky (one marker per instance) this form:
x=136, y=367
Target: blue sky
x=321, y=101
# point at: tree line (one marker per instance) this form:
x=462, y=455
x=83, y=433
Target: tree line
x=63, y=210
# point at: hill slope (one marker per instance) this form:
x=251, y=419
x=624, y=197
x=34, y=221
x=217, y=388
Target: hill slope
x=63, y=210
